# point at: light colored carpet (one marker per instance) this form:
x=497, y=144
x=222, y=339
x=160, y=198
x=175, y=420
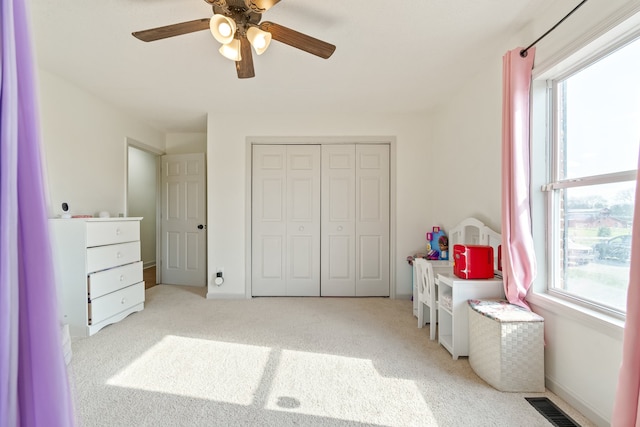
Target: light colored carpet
x=189, y=361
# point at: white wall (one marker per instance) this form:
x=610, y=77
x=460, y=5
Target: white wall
x=186, y=143
x=85, y=149
x=467, y=146
x=141, y=199
x=227, y=183
x=582, y=354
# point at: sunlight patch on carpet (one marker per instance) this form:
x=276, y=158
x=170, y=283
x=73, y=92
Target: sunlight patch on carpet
x=345, y=388
x=213, y=370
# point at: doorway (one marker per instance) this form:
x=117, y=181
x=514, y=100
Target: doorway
x=142, y=201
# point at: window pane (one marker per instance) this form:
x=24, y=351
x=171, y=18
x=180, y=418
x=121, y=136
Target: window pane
x=595, y=244
x=599, y=116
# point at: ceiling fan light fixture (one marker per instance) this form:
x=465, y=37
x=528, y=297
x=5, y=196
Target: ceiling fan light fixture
x=259, y=39
x=223, y=28
x=231, y=50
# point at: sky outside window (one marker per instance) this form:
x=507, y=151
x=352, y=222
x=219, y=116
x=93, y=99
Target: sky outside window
x=603, y=115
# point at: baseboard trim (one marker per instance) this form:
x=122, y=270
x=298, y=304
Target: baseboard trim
x=148, y=264
x=577, y=403
x=216, y=295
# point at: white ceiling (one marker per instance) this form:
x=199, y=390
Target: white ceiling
x=392, y=56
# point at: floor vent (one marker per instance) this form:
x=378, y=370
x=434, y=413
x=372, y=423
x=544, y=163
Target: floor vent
x=551, y=412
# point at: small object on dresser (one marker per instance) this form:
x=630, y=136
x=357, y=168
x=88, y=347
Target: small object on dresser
x=65, y=209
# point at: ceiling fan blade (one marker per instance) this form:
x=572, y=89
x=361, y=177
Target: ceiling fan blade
x=298, y=40
x=244, y=67
x=172, y=30
x=260, y=6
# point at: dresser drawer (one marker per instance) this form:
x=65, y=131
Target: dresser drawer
x=104, y=257
x=107, y=281
x=111, y=304
x=110, y=232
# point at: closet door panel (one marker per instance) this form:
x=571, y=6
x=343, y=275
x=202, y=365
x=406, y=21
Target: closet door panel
x=269, y=227
x=372, y=220
x=338, y=220
x=303, y=220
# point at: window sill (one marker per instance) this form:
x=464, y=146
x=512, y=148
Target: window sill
x=601, y=322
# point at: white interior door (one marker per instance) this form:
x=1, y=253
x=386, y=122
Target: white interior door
x=285, y=241
x=338, y=220
x=183, y=220
x=372, y=220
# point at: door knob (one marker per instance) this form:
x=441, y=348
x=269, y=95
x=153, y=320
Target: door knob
x=200, y=226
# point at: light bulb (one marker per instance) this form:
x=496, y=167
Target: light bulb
x=259, y=42
x=259, y=39
x=224, y=29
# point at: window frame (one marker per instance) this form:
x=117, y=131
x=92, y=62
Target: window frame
x=610, y=36
x=556, y=183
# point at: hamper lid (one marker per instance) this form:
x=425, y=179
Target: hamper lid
x=503, y=311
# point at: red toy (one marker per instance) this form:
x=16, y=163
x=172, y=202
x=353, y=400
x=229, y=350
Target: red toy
x=473, y=261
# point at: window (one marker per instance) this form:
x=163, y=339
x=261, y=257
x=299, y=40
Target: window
x=591, y=190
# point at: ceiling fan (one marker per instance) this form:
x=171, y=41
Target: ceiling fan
x=236, y=24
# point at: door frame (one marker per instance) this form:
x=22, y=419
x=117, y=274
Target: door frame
x=130, y=142
x=321, y=140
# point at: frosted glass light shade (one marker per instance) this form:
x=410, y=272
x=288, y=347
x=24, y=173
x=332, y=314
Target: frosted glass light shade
x=259, y=39
x=223, y=28
x=231, y=50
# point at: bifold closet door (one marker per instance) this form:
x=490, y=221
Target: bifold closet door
x=338, y=259
x=355, y=220
x=285, y=220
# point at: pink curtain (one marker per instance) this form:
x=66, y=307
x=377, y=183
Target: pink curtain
x=627, y=405
x=34, y=389
x=518, y=259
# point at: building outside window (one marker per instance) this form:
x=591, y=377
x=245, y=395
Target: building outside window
x=593, y=157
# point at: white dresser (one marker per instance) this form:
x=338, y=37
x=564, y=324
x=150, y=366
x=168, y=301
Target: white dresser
x=99, y=271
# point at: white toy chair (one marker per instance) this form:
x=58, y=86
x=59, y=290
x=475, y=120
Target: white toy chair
x=426, y=294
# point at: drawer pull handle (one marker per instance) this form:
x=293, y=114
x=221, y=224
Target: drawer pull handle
x=123, y=301
x=122, y=277
x=119, y=255
x=339, y=228
x=117, y=231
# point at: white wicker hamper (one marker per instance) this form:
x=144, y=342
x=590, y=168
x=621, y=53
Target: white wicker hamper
x=506, y=345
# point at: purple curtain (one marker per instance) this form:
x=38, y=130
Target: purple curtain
x=627, y=405
x=34, y=389
x=518, y=259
